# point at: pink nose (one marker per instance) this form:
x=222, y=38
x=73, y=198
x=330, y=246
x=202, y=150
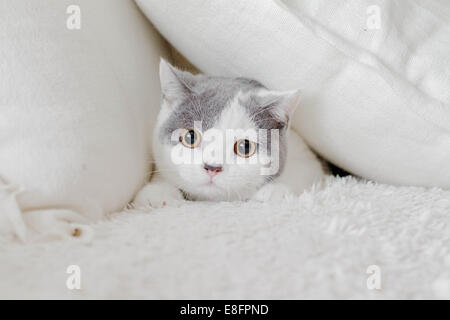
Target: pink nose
x=212, y=170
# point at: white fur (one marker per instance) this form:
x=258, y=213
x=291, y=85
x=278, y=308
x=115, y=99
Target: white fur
x=316, y=246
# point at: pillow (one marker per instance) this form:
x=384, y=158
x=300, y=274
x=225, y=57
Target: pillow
x=375, y=75
x=77, y=107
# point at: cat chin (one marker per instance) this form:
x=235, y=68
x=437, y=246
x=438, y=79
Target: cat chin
x=213, y=192
x=206, y=193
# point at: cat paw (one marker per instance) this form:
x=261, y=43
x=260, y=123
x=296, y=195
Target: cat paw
x=273, y=192
x=156, y=195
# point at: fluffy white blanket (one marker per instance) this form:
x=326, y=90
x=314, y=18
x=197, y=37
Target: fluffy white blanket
x=319, y=245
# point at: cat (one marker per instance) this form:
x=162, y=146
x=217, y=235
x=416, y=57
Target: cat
x=225, y=139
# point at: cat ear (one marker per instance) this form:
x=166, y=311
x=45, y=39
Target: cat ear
x=284, y=104
x=174, y=83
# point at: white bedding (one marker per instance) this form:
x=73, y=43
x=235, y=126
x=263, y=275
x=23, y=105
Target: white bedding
x=316, y=246
x=319, y=245
x=76, y=108
x=376, y=100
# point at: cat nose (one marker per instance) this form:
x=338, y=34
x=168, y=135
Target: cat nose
x=212, y=170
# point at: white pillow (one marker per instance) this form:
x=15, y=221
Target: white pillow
x=376, y=101
x=76, y=109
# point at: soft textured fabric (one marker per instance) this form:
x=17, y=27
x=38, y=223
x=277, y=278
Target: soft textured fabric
x=76, y=106
x=318, y=245
x=376, y=101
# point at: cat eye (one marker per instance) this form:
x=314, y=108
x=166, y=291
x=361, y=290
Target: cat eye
x=244, y=148
x=190, y=138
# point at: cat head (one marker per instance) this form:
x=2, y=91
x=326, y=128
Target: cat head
x=220, y=138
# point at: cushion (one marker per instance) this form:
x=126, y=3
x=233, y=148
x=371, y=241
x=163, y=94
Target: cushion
x=374, y=74
x=77, y=105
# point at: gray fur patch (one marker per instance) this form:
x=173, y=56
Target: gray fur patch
x=204, y=100
x=260, y=110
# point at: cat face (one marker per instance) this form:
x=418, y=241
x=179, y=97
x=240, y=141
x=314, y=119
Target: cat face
x=219, y=138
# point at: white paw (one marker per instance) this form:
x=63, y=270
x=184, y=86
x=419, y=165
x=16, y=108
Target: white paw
x=157, y=195
x=273, y=192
